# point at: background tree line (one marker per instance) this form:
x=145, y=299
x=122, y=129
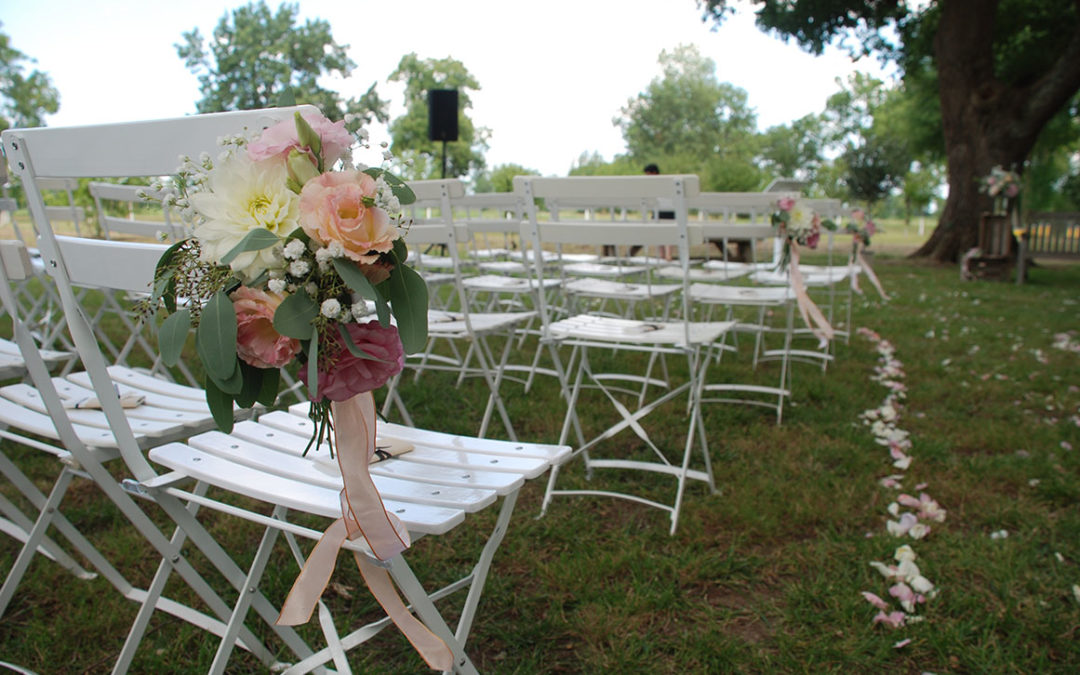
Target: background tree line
x=983, y=83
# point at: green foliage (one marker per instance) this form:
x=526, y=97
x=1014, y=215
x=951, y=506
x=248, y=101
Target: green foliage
x=501, y=178
x=256, y=56
x=409, y=133
x=25, y=99
x=687, y=118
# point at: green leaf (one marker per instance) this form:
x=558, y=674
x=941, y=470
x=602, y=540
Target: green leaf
x=286, y=99
x=254, y=240
x=233, y=384
x=271, y=380
x=215, y=339
x=164, y=279
x=221, y=406
x=401, y=251
x=353, y=349
x=399, y=187
x=172, y=334
x=358, y=283
x=409, y=299
x=307, y=136
x=252, y=385
x=294, y=315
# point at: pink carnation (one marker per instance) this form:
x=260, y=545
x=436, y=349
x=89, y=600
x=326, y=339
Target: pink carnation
x=279, y=139
x=352, y=375
x=786, y=203
x=257, y=343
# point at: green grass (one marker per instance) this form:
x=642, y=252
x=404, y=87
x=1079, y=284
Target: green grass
x=762, y=577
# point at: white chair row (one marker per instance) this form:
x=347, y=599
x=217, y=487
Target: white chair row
x=432, y=488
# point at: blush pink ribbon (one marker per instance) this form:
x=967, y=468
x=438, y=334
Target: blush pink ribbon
x=865, y=267
x=363, y=515
x=811, y=314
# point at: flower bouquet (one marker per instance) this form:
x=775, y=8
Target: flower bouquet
x=297, y=255
x=861, y=228
x=798, y=225
x=290, y=260
x=1004, y=187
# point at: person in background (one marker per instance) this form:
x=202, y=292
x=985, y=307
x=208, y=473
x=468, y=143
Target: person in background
x=665, y=251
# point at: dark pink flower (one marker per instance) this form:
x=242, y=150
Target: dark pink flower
x=257, y=342
x=352, y=375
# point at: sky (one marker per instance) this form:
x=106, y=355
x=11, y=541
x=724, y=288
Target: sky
x=553, y=74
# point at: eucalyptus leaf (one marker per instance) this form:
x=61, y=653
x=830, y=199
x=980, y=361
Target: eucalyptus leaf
x=294, y=315
x=233, y=384
x=252, y=385
x=358, y=283
x=409, y=299
x=399, y=187
x=254, y=240
x=271, y=380
x=172, y=334
x=221, y=406
x=215, y=339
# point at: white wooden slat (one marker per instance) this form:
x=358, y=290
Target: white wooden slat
x=625, y=291
x=593, y=327
x=288, y=441
x=146, y=144
x=292, y=494
x=318, y=469
x=82, y=379
x=741, y=295
x=300, y=428
x=149, y=383
x=28, y=421
x=553, y=454
x=121, y=265
x=145, y=420
x=453, y=323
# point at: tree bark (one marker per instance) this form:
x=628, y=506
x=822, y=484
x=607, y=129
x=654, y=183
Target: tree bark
x=985, y=121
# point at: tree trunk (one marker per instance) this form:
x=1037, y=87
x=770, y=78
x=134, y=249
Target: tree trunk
x=985, y=122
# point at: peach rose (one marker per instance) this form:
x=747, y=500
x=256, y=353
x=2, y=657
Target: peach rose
x=279, y=139
x=257, y=343
x=339, y=207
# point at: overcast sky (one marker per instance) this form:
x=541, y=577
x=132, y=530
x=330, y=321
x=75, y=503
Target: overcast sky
x=552, y=74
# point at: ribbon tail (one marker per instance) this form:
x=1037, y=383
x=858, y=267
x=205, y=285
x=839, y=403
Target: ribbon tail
x=811, y=314
x=313, y=578
x=361, y=505
x=873, y=277
x=430, y=647
x=854, y=272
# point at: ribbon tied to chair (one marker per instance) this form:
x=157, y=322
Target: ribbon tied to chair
x=363, y=515
x=858, y=258
x=811, y=314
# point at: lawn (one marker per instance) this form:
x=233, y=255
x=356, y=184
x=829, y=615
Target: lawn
x=768, y=574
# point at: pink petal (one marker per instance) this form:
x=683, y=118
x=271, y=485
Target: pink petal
x=902, y=643
x=875, y=600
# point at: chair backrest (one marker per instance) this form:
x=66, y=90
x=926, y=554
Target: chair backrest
x=148, y=148
x=436, y=196
x=672, y=189
x=108, y=196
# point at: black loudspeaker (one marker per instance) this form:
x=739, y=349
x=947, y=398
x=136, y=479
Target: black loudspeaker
x=442, y=114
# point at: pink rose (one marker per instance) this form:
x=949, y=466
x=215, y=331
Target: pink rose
x=352, y=375
x=871, y=228
x=257, y=343
x=279, y=139
x=338, y=206
x=1012, y=190
x=786, y=203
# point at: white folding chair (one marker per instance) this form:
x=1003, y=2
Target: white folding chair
x=431, y=490
x=129, y=199
x=459, y=323
x=629, y=339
